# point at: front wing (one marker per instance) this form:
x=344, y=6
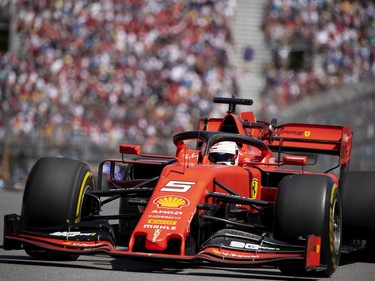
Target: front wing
x=237, y=249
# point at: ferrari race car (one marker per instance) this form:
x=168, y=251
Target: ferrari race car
x=261, y=198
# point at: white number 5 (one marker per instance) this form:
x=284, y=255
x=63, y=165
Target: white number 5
x=178, y=186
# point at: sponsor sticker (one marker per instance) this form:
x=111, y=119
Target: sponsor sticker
x=162, y=222
x=160, y=227
x=173, y=202
x=163, y=212
x=71, y=234
x=250, y=246
x=164, y=217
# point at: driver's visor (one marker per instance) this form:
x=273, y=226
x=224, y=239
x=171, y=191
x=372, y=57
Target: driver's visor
x=216, y=157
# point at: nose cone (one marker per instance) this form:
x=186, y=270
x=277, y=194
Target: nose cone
x=159, y=240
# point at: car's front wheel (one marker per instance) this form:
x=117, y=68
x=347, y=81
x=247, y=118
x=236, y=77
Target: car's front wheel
x=310, y=204
x=54, y=195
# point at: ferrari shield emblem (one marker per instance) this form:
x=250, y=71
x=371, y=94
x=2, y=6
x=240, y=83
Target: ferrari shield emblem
x=254, y=188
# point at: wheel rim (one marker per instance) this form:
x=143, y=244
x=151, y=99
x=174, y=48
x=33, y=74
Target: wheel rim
x=336, y=226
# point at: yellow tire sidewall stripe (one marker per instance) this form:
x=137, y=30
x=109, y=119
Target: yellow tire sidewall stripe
x=331, y=221
x=81, y=193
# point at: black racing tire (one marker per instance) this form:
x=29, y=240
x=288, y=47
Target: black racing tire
x=357, y=190
x=53, y=196
x=310, y=204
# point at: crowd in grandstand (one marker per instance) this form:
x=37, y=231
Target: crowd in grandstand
x=103, y=70
x=338, y=37
x=114, y=70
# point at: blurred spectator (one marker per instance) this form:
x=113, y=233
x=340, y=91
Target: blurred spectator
x=335, y=40
x=110, y=69
x=2, y=184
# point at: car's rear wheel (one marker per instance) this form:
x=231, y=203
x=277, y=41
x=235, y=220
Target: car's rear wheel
x=357, y=190
x=54, y=195
x=310, y=204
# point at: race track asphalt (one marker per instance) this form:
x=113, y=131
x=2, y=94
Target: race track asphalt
x=16, y=265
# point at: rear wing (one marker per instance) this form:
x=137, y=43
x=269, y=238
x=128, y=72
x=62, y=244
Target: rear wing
x=310, y=138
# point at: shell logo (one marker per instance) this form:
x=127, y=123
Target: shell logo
x=173, y=202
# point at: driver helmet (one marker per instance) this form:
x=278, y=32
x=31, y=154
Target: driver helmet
x=224, y=153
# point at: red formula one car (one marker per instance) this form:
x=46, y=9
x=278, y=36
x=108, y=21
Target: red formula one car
x=238, y=192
